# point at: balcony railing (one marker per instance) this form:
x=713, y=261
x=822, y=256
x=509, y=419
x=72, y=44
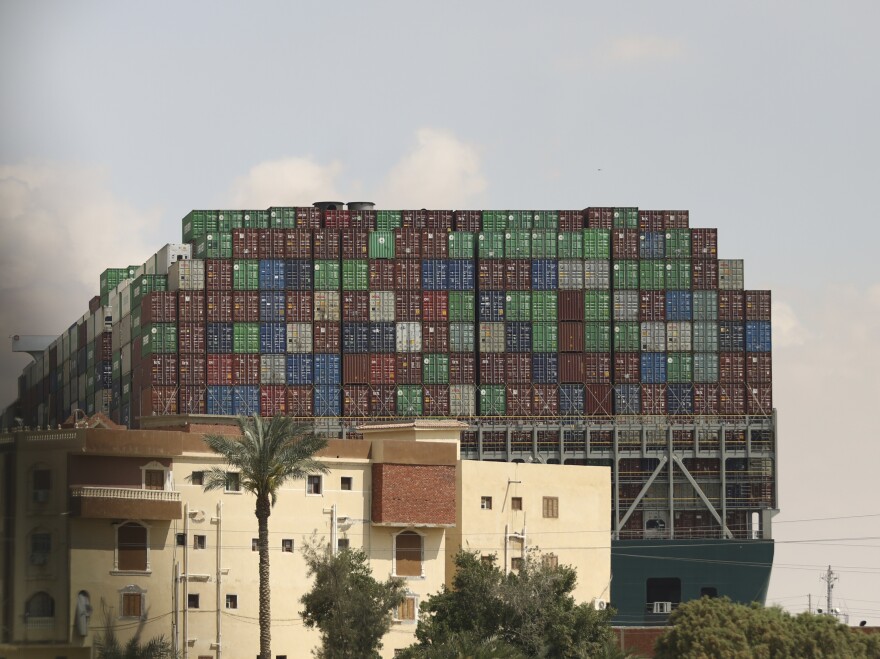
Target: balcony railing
x=124, y=493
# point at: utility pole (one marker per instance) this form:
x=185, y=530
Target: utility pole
x=829, y=578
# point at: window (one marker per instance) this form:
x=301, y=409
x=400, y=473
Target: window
x=342, y=543
x=345, y=483
x=287, y=544
x=233, y=481
x=200, y=541
x=708, y=591
x=487, y=560
x=516, y=503
x=232, y=601
x=131, y=603
x=192, y=601
x=255, y=544
x=408, y=554
x=197, y=478
x=313, y=485
x=42, y=485
x=181, y=539
x=516, y=563
x=486, y=503
x=407, y=610
x=551, y=506
x=41, y=545
x=154, y=479
x=663, y=589
x=131, y=547
x=40, y=605
x=551, y=561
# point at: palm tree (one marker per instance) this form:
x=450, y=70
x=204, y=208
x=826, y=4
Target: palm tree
x=266, y=455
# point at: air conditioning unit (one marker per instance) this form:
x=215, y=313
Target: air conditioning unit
x=662, y=607
x=599, y=604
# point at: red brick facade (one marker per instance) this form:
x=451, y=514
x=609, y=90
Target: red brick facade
x=413, y=494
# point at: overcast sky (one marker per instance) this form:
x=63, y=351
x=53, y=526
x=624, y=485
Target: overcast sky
x=761, y=118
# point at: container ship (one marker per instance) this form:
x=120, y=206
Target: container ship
x=605, y=336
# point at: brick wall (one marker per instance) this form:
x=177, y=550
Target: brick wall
x=413, y=494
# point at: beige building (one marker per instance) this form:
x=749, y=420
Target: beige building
x=103, y=525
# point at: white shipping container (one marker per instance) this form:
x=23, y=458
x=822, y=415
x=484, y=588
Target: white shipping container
x=187, y=275
x=462, y=400
x=162, y=260
x=299, y=337
x=731, y=274
x=125, y=330
x=272, y=369
x=596, y=275
x=678, y=336
x=327, y=306
x=653, y=337
x=626, y=306
x=409, y=337
x=125, y=301
x=382, y=306
x=571, y=274
x=491, y=337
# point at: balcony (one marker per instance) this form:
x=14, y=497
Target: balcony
x=125, y=503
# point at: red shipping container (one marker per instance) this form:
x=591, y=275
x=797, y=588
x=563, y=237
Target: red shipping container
x=354, y=244
x=191, y=306
x=731, y=305
x=408, y=274
x=245, y=306
x=427, y=219
x=519, y=399
x=462, y=368
x=492, y=368
x=355, y=400
x=158, y=401
x=654, y=399
x=704, y=274
x=191, y=400
x=518, y=367
x=760, y=399
x=407, y=244
x=704, y=244
x=435, y=400
x=571, y=337
x=300, y=401
x=435, y=244
x=218, y=275
x=468, y=220
x=245, y=369
x=382, y=275
x=246, y=243
x=191, y=369
x=219, y=369
x=490, y=274
x=158, y=370
x=571, y=220
x=300, y=306
x=356, y=368
x=297, y=244
x=337, y=219
x=277, y=244
x=106, y=340
x=408, y=305
x=383, y=401
x=676, y=219
x=652, y=306
x=571, y=368
x=82, y=335
x=356, y=306
x=651, y=221
x=327, y=337
x=600, y=218
x=363, y=219
x=597, y=368
x=158, y=307
x=408, y=368
x=757, y=305
x=759, y=367
x=731, y=399
x=191, y=337
x=326, y=244
x=545, y=400
x=308, y=217
x=273, y=400
x=435, y=306
x=599, y=400
x=706, y=399
x=219, y=306
x=627, y=368
x=435, y=337
x=731, y=367
x=381, y=369
x=518, y=274
x=570, y=305
x=264, y=244
x=625, y=244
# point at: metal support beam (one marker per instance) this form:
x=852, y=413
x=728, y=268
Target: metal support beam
x=641, y=493
x=703, y=497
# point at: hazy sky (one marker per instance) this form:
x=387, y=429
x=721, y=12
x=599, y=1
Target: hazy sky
x=761, y=118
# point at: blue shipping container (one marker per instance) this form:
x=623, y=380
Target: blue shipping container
x=571, y=399
x=461, y=274
x=327, y=401
x=245, y=400
x=383, y=337
x=680, y=399
x=219, y=336
x=652, y=245
x=299, y=275
x=299, y=368
x=355, y=337
x=272, y=306
x=545, y=274
x=328, y=369
x=491, y=306
x=518, y=337
x=219, y=399
x=627, y=399
x=653, y=367
x=731, y=337
x=545, y=367
x=271, y=275
x=273, y=338
x=758, y=336
x=435, y=275
x=679, y=305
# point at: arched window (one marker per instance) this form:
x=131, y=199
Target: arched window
x=132, y=547
x=408, y=554
x=40, y=605
x=154, y=476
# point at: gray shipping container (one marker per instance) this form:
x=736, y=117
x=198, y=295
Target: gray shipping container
x=626, y=306
x=491, y=337
x=705, y=305
x=731, y=274
x=299, y=337
x=461, y=337
x=327, y=306
x=125, y=331
x=126, y=359
x=409, y=337
x=462, y=400
x=596, y=275
x=187, y=275
x=653, y=337
x=705, y=367
x=678, y=336
x=272, y=369
x=382, y=306
x=705, y=336
x=571, y=274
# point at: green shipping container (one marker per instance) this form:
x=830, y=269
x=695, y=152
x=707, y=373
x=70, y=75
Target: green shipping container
x=544, y=244
x=198, y=223
x=229, y=219
x=110, y=279
x=327, y=275
x=409, y=400
x=213, y=246
x=544, y=305
x=282, y=217
x=545, y=337
x=627, y=337
x=626, y=218
x=705, y=305
x=255, y=219
x=381, y=244
x=571, y=245
x=146, y=284
x=490, y=245
x=597, y=244
x=597, y=337
x=679, y=367
x=135, y=324
x=518, y=244
x=159, y=338
x=520, y=219
x=435, y=368
x=625, y=274
x=493, y=400
x=678, y=274
x=652, y=275
x=116, y=366
x=461, y=307
x=597, y=306
x=246, y=274
x=494, y=221
x=461, y=245
x=706, y=367
x=246, y=337
x=518, y=306
x=462, y=337
x=545, y=220
x=678, y=243
x=388, y=220
x=355, y=275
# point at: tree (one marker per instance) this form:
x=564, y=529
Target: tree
x=108, y=646
x=348, y=605
x=530, y=611
x=265, y=456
